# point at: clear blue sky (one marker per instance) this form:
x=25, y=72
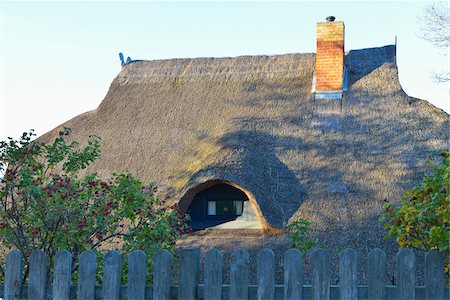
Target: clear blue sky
x=59, y=58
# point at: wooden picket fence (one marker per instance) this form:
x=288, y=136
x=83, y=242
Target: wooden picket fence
x=189, y=286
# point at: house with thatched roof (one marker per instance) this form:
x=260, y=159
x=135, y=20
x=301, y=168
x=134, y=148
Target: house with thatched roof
x=254, y=142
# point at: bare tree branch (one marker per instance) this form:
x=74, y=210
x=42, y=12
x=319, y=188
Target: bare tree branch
x=435, y=28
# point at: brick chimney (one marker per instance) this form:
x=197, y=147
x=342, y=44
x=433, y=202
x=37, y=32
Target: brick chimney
x=330, y=56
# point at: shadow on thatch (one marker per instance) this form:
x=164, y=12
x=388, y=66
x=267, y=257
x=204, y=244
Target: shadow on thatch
x=248, y=120
x=359, y=63
x=336, y=180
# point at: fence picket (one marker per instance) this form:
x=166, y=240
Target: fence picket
x=62, y=275
x=111, y=276
x=406, y=275
x=293, y=275
x=136, y=275
x=190, y=288
x=434, y=276
x=376, y=275
x=162, y=274
x=189, y=273
x=320, y=262
x=213, y=275
x=266, y=274
x=348, y=275
x=13, y=276
x=37, y=282
x=239, y=275
x=86, y=276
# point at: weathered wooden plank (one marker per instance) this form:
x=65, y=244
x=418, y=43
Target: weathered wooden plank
x=111, y=276
x=136, y=275
x=213, y=275
x=434, y=289
x=348, y=275
x=13, y=275
x=252, y=290
x=162, y=274
x=406, y=274
x=239, y=275
x=86, y=276
x=293, y=275
x=266, y=274
x=320, y=262
x=376, y=274
x=62, y=275
x=307, y=292
x=37, y=282
x=434, y=275
x=189, y=273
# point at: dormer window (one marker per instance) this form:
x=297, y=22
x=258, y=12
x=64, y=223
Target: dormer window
x=225, y=207
x=221, y=204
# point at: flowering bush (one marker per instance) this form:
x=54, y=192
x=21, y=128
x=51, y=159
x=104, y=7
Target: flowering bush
x=422, y=220
x=45, y=206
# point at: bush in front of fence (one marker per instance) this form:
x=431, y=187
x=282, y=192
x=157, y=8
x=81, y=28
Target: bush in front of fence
x=300, y=236
x=190, y=287
x=421, y=221
x=44, y=205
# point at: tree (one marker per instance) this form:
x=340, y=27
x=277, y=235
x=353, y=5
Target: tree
x=436, y=29
x=422, y=220
x=45, y=206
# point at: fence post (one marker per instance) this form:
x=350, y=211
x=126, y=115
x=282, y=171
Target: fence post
x=406, y=275
x=320, y=275
x=266, y=274
x=162, y=274
x=189, y=273
x=239, y=275
x=293, y=275
x=111, y=276
x=62, y=275
x=376, y=275
x=136, y=275
x=434, y=275
x=13, y=276
x=86, y=276
x=38, y=276
x=213, y=275
x=348, y=275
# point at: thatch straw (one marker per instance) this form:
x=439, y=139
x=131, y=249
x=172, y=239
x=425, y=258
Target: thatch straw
x=247, y=120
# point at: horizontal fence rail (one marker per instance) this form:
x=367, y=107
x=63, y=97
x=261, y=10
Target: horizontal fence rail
x=190, y=287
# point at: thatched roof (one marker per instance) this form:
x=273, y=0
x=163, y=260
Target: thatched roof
x=248, y=120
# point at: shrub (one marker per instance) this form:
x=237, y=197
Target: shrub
x=299, y=235
x=45, y=206
x=421, y=221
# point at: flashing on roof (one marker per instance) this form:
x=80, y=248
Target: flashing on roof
x=313, y=87
x=345, y=80
x=337, y=95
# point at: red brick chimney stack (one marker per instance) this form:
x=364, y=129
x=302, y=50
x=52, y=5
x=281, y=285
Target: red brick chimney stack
x=330, y=56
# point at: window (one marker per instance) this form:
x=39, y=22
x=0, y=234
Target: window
x=211, y=208
x=238, y=207
x=225, y=208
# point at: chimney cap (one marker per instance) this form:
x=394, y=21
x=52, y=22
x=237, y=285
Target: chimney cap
x=330, y=19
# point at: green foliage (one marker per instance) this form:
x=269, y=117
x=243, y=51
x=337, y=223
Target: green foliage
x=45, y=206
x=299, y=234
x=341, y=249
x=422, y=219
